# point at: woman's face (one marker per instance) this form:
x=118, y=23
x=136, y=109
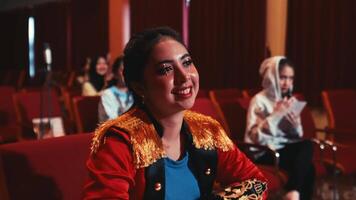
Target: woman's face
x=101, y=66
x=286, y=78
x=170, y=80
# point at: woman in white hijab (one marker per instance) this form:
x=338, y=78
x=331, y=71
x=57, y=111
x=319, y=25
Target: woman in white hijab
x=271, y=122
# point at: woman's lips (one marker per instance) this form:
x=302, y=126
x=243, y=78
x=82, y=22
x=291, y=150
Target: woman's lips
x=185, y=92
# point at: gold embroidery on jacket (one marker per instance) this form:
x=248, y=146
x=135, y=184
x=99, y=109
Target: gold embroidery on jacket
x=207, y=133
x=147, y=146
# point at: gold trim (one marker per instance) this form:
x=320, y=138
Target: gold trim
x=147, y=146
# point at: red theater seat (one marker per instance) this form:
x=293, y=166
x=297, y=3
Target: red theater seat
x=340, y=105
x=9, y=128
x=44, y=169
x=205, y=106
x=86, y=112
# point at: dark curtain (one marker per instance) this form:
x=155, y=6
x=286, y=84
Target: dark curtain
x=153, y=13
x=14, y=39
x=321, y=42
x=74, y=29
x=90, y=30
x=50, y=27
x=227, y=41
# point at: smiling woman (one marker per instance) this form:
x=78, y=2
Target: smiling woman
x=158, y=149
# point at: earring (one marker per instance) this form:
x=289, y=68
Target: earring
x=142, y=99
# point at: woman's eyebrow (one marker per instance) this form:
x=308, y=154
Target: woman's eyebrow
x=184, y=56
x=163, y=61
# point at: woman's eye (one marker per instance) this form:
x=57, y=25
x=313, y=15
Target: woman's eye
x=283, y=78
x=165, y=69
x=187, y=62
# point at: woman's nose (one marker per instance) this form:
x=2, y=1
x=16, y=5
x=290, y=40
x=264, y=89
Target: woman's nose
x=180, y=75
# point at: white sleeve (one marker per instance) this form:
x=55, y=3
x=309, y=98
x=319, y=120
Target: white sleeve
x=109, y=105
x=260, y=129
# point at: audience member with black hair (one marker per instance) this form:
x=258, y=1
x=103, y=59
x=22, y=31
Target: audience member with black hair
x=116, y=99
x=97, y=77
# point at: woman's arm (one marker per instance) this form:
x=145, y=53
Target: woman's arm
x=88, y=89
x=234, y=167
x=261, y=126
x=111, y=172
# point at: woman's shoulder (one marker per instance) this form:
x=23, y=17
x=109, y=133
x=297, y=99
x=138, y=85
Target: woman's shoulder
x=207, y=132
x=260, y=99
x=107, y=93
x=138, y=132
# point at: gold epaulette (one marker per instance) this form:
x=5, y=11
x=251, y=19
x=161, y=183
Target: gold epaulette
x=207, y=132
x=146, y=143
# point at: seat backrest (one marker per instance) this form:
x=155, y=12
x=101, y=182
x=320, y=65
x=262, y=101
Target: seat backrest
x=251, y=92
x=205, y=106
x=225, y=94
x=203, y=93
x=230, y=101
x=7, y=107
x=341, y=108
x=44, y=169
x=9, y=129
x=234, y=111
x=86, y=112
x=67, y=95
x=32, y=104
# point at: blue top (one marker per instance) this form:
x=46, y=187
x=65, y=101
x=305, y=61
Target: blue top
x=180, y=181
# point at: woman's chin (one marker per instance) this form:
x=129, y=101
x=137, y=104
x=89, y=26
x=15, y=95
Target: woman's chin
x=187, y=104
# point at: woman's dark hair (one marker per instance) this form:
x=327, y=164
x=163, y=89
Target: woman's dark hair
x=283, y=63
x=117, y=64
x=138, y=50
x=97, y=80
x=115, y=68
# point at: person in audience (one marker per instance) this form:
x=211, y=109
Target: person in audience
x=84, y=72
x=159, y=149
x=116, y=99
x=97, y=77
x=271, y=122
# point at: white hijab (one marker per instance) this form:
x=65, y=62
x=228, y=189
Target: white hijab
x=270, y=74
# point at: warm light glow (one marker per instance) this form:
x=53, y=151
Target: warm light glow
x=31, y=46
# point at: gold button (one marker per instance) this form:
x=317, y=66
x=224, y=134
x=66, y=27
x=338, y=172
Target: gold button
x=208, y=171
x=158, y=186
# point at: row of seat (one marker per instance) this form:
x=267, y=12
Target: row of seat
x=19, y=108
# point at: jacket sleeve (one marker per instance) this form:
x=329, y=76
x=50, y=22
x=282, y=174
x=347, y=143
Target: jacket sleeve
x=111, y=172
x=234, y=167
x=263, y=127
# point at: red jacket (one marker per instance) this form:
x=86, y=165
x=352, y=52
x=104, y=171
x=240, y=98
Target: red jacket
x=124, y=148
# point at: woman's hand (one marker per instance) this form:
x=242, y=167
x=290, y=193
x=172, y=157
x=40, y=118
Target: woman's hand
x=283, y=105
x=293, y=119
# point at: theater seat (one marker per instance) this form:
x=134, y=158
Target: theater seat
x=9, y=128
x=44, y=169
x=86, y=112
x=340, y=107
x=206, y=106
